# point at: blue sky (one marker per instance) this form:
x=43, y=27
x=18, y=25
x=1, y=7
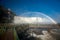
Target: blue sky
x=48, y=7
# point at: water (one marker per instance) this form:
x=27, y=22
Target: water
x=40, y=34
x=54, y=34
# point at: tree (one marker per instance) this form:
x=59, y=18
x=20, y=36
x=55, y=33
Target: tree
x=6, y=15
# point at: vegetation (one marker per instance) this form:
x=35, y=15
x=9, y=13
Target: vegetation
x=6, y=15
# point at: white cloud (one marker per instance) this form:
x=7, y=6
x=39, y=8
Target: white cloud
x=19, y=20
x=33, y=17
